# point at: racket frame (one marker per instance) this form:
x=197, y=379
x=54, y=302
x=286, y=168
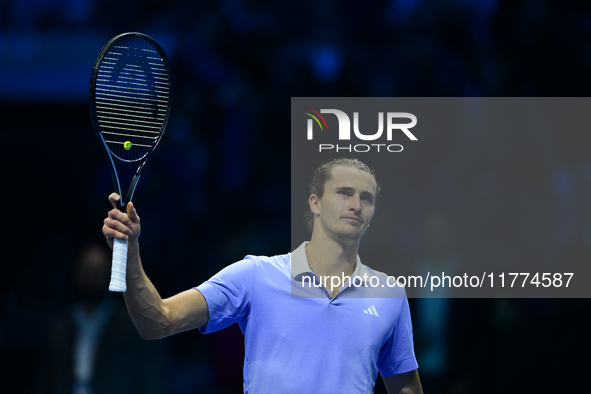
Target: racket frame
x=111, y=157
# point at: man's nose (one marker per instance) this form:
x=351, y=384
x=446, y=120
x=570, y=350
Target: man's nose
x=355, y=203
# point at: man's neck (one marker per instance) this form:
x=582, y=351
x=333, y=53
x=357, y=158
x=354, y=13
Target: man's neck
x=328, y=257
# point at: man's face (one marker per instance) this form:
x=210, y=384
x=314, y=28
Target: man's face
x=347, y=205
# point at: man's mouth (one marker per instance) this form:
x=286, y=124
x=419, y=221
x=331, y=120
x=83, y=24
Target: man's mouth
x=353, y=219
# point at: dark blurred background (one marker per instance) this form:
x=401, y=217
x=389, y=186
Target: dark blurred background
x=218, y=187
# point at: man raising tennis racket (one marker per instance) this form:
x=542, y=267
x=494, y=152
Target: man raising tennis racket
x=332, y=338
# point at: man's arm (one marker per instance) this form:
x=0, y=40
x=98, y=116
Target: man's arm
x=404, y=383
x=154, y=317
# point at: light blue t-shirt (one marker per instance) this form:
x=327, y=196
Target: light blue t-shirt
x=309, y=345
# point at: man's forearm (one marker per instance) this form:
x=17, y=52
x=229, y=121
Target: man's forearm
x=153, y=317
x=144, y=304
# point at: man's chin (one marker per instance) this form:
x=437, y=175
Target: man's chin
x=350, y=235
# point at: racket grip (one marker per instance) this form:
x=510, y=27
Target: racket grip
x=119, y=266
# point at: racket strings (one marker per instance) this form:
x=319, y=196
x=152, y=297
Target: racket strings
x=132, y=97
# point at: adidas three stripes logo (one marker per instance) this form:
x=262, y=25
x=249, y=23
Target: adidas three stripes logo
x=372, y=311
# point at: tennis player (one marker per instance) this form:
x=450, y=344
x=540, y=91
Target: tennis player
x=332, y=338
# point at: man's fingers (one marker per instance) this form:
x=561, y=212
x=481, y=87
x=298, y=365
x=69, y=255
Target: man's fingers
x=109, y=232
x=114, y=199
x=132, y=213
x=117, y=215
x=117, y=221
x=117, y=227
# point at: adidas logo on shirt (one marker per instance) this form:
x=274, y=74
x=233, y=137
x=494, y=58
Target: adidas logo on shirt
x=372, y=311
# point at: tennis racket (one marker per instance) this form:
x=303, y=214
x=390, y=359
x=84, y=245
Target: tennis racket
x=130, y=101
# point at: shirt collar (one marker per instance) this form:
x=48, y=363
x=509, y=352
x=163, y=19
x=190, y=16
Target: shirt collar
x=300, y=266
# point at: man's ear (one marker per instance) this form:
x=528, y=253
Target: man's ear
x=314, y=203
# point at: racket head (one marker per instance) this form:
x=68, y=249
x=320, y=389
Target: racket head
x=130, y=96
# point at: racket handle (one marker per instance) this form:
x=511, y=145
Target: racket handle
x=119, y=266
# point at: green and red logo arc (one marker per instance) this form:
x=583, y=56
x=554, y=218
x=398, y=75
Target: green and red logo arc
x=315, y=117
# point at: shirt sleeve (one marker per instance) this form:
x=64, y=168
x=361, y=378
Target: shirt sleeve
x=397, y=355
x=228, y=294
